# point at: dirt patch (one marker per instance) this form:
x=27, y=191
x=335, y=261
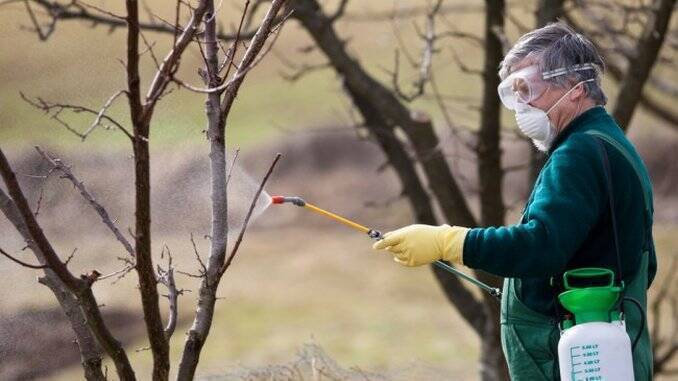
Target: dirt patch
x=35, y=343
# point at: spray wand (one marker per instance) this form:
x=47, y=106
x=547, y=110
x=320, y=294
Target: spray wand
x=376, y=235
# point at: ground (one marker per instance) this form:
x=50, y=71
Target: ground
x=298, y=279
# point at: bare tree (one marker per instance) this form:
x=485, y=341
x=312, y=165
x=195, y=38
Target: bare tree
x=222, y=85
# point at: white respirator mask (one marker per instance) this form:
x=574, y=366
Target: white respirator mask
x=526, y=85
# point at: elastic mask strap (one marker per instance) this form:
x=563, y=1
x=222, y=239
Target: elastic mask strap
x=568, y=91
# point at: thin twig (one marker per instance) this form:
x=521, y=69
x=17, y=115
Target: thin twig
x=55, y=109
x=230, y=172
x=97, y=120
x=238, y=241
x=22, y=263
x=68, y=174
x=166, y=278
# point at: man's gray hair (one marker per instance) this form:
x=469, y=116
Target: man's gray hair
x=556, y=46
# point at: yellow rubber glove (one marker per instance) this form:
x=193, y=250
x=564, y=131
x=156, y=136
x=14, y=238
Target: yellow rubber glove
x=417, y=245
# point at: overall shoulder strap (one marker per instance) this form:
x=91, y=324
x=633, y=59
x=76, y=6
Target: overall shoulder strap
x=629, y=158
x=610, y=194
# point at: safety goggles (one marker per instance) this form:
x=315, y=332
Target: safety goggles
x=522, y=86
x=528, y=84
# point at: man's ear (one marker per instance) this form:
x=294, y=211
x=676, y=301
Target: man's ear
x=578, y=92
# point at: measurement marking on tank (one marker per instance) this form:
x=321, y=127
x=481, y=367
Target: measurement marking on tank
x=585, y=363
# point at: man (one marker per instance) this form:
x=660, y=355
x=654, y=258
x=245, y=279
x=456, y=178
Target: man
x=574, y=217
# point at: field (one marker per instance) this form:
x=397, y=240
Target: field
x=298, y=279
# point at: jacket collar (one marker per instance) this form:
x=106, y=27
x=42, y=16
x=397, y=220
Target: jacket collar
x=582, y=122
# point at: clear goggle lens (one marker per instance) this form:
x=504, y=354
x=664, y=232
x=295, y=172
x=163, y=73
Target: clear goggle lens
x=523, y=86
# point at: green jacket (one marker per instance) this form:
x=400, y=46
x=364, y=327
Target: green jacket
x=566, y=223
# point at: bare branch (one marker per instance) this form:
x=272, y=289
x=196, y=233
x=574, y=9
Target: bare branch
x=100, y=10
x=341, y=8
x=217, y=111
x=42, y=191
x=230, y=172
x=54, y=111
x=170, y=64
x=298, y=70
x=149, y=49
x=166, y=277
x=42, y=34
x=229, y=55
x=414, y=11
x=100, y=115
x=238, y=241
x=119, y=274
x=462, y=65
x=77, y=10
x=37, y=235
x=57, y=164
x=22, y=263
x=429, y=38
x=239, y=74
x=617, y=73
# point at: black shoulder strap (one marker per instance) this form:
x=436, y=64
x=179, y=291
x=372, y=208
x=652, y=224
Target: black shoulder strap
x=610, y=193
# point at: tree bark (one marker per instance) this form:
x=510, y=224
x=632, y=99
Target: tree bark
x=549, y=11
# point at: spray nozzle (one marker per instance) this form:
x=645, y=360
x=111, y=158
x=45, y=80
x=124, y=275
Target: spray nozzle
x=298, y=201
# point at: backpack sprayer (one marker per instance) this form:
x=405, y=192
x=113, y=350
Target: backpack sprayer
x=377, y=235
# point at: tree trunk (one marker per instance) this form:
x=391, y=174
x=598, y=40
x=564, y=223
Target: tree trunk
x=640, y=65
x=217, y=110
x=90, y=354
x=216, y=135
x=490, y=174
x=547, y=11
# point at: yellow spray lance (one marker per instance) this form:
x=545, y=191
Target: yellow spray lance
x=376, y=235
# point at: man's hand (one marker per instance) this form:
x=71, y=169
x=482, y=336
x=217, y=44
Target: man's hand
x=417, y=245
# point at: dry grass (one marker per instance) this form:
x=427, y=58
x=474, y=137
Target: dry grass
x=312, y=363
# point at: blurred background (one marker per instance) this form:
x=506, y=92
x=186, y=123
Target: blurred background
x=298, y=279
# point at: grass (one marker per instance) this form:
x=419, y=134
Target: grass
x=333, y=290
